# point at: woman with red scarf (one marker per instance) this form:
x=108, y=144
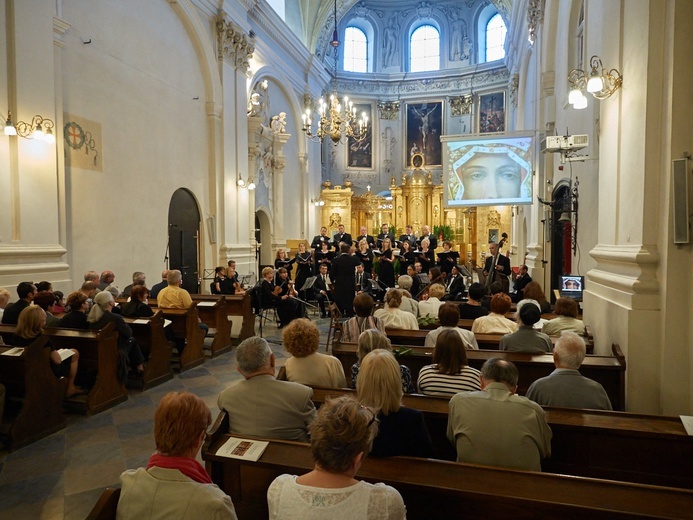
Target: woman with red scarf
x=174, y=485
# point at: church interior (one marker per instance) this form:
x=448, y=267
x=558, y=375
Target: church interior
x=186, y=133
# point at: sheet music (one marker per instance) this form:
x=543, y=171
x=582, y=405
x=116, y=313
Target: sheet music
x=206, y=304
x=140, y=321
x=16, y=351
x=687, y=421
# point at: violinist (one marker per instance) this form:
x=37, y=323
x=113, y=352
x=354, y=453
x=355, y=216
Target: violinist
x=231, y=283
x=280, y=295
x=322, y=289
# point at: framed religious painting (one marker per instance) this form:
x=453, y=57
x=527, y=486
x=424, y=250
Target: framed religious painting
x=491, y=113
x=360, y=152
x=424, y=126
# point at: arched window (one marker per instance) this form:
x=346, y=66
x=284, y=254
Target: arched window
x=495, y=38
x=424, y=49
x=355, y=50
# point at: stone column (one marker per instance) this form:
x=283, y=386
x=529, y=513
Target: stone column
x=277, y=195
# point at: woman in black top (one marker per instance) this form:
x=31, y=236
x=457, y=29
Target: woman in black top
x=99, y=316
x=76, y=318
x=29, y=329
x=304, y=261
x=138, y=306
x=387, y=269
x=425, y=256
x=366, y=256
x=408, y=254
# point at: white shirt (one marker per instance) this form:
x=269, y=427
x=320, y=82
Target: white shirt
x=395, y=318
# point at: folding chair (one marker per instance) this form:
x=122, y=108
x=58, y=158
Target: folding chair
x=335, y=325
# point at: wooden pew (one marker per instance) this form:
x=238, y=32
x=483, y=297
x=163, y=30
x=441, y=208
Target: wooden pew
x=622, y=446
x=185, y=325
x=236, y=305
x=29, y=379
x=149, y=333
x=609, y=371
x=441, y=489
x=213, y=312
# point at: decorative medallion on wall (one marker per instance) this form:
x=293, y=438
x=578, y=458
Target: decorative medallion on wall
x=83, y=143
x=389, y=110
x=461, y=105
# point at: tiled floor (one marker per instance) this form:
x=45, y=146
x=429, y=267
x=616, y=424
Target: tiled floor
x=63, y=475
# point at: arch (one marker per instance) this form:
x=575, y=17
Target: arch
x=482, y=20
x=560, y=234
x=263, y=222
x=184, y=238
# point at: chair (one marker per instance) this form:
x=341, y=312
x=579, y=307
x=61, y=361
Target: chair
x=107, y=505
x=335, y=325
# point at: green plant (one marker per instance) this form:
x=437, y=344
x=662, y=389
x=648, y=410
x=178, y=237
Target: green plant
x=446, y=231
x=426, y=320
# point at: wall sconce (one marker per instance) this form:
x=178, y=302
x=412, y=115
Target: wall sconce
x=240, y=182
x=317, y=202
x=600, y=83
x=40, y=128
x=251, y=184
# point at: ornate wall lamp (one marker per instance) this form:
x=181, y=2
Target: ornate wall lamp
x=317, y=202
x=250, y=185
x=40, y=128
x=600, y=83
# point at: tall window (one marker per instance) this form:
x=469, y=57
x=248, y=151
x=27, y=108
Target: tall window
x=580, y=38
x=424, y=49
x=495, y=38
x=355, y=50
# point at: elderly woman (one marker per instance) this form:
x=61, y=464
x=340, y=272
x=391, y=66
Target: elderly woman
x=137, y=307
x=101, y=315
x=402, y=430
x=353, y=327
x=174, y=484
x=370, y=340
x=394, y=317
x=29, y=328
x=449, y=373
x=495, y=322
x=532, y=291
x=301, y=339
x=431, y=305
x=340, y=438
x=4, y=299
x=567, y=310
x=76, y=317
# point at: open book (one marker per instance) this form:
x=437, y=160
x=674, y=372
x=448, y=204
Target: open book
x=246, y=449
x=65, y=353
x=16, y=351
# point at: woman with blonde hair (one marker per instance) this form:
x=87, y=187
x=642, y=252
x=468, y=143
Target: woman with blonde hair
x=373, y=339
x=304, y=269
x=340, y=438
x=29, y=329
x=386, y=273
x=392, y=316
x=301, y=339
x=402, y=430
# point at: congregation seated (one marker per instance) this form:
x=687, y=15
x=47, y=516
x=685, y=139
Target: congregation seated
x=157, y=287
x=409, y=303
x=402, y=430
x=341, y=437
x=76, y=317
x=26, y=292
x=29, y=328
x=449, y=317
x=567, y=311
x=129, y=353
x=526, y=338
x=473, y=309
x=138, y=306
x=494, y=426
x=301, y=339
x=532, y=291
x=494, y=288
x=174, y=485
x=4, y=300
x=449, y=373
x=565, y=386
x=261, y=405
x=495, y=322
x=173, y=296
x=430, y=306
x=392, y=316
x=138, y=278
x=46, y=300
x=373, y=339
x=353, y=327
x=89, y=290
x=59, y=306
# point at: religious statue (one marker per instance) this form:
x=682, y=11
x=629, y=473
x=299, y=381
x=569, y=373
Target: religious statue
x=278, y=124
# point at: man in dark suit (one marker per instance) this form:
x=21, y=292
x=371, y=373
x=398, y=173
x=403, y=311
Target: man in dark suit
x=156, y=288
x=409, y=236
x=319, y=239
x=321, y=289
x=343, y=269
x=426, y=233
x=363, y=280
x=385, y=233
x=342, y=236
x=26, y=292
x=364, y=235
x=454, y=285
x=521, y=282
x=495, y=261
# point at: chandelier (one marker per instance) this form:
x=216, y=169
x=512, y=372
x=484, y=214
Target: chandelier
x=335, y=119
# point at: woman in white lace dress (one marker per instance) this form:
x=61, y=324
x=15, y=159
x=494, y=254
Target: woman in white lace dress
x=340, y=437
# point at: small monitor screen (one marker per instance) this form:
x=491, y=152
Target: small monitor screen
x=491, y=170
x=571, y=287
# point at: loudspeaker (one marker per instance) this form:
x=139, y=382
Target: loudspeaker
x=212, y=229
x=680, y=201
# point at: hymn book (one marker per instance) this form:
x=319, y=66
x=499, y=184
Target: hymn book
x=244, y=449
x=16, y=351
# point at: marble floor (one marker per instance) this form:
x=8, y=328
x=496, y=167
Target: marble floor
x=63, y=475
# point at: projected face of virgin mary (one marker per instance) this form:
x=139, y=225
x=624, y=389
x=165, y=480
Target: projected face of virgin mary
x=490, y=176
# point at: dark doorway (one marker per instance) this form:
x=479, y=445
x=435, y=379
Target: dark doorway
x=184, y=237
x=561, y=235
